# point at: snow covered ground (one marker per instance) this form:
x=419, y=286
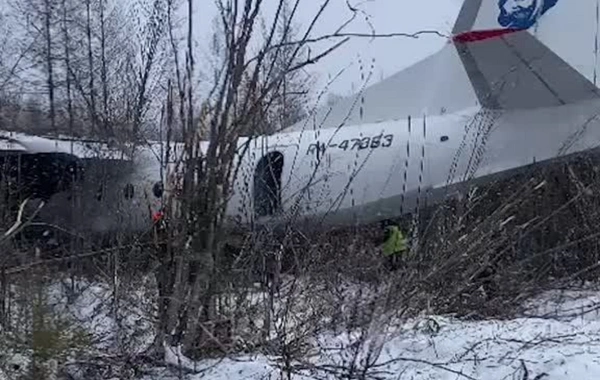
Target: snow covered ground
x=558, y=338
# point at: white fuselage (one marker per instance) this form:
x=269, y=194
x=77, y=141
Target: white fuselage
x=377, y=171
x=500, y=95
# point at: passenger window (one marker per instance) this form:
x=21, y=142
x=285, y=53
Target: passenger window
x=158, y=189
x=100, y=193
x=129, y=191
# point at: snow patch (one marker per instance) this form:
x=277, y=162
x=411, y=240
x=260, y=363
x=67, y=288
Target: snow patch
x=559, y=339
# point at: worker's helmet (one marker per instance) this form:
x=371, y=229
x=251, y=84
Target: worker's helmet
x=386, y=223
x=388, y=230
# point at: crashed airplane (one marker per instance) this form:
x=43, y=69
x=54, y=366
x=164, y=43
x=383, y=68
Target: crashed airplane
x=514, y=87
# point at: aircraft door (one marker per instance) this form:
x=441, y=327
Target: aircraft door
x=267, y=182
x=273, y=181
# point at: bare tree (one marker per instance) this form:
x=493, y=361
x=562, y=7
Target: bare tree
x=290, y=101
x=103, y=75
x=39, y=22
x=91, y=71
x=48, y=20
x=67, y=64
x=196, y=243
x=13, y=50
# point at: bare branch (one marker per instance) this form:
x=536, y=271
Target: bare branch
x=19, y=224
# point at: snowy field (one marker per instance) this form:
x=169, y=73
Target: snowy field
x=557, y=339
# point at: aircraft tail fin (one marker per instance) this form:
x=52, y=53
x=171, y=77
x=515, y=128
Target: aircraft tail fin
x=516, y=54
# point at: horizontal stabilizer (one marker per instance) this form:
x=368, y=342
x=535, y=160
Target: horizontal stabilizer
x=515, y=70
x=503, y=45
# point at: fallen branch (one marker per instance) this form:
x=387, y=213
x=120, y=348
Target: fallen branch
x=19, y=225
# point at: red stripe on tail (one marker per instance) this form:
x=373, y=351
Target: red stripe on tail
x=481, y=35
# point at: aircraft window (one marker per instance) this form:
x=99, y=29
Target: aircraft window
x=129, y=191
x=100, y=192
x=158, y=189
x=444, y=138
x=267, y=184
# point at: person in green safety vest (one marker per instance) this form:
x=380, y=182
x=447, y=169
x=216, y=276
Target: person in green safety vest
x=395, y=245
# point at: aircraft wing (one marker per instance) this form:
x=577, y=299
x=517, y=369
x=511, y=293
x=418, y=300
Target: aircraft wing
x=7, y=145
x=19, y=142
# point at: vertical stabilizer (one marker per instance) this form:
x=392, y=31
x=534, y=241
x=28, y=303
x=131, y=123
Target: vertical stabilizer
x=524, y=54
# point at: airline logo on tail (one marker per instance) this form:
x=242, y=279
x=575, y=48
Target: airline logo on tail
x=522, y=14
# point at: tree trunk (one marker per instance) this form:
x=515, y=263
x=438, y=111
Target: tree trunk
x=200, y=300
x=93, y=113
x=50, y=66
x=67, y=52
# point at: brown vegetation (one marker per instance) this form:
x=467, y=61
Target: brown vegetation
x=107, y=75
